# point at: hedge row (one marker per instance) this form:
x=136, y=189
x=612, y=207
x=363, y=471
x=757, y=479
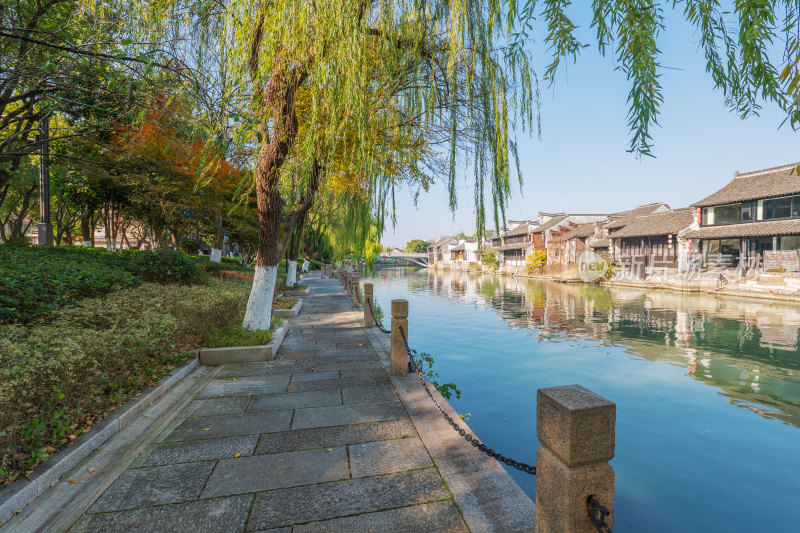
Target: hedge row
x=37, y=280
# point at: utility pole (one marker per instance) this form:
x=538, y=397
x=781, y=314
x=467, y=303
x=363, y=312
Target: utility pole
x=45, y=226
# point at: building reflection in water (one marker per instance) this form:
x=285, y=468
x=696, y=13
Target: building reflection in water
x=746, y=348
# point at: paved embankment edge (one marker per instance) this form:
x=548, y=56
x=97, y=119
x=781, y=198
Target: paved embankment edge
x=20, y=493
x=725, y=292
x=487, y=496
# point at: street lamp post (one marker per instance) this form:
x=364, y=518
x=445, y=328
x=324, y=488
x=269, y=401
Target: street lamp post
x=45, y=228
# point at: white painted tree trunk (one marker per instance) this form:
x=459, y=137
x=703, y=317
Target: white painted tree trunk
x=216, y=255
x=291, y=275
x=87, y=244
x=259, y=306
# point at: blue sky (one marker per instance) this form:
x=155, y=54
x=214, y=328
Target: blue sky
x=581, y=164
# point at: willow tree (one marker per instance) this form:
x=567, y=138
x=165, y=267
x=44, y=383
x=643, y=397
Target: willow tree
x=461, y=70
x=328, y=49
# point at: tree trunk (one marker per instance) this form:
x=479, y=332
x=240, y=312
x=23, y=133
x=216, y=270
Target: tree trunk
x=294, y=250
x=219, y=237
x=280, y=96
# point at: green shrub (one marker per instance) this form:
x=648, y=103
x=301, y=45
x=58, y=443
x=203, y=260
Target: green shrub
x=228, y=263
x=490, y=259
x=37, y=280
x=190, y=247
x=166, y=266
x=60, y=376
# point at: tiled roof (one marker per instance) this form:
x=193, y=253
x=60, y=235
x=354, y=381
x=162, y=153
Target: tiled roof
x=747, y=229
x=602, y=242
x=767, y=183
x=514, y=246
x=658, y=224
x=583, y=230
x=522, y=229
x=549, y=224
x=623, y=217
x=460, y=248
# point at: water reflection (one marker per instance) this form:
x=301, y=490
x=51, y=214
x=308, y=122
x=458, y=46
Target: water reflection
x=746, y=348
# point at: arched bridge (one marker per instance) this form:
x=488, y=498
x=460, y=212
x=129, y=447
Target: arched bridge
x=417, y=259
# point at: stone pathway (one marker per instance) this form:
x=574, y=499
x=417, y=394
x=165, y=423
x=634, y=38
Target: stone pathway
x=317, y=440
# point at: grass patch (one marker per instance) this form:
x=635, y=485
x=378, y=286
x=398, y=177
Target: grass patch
x=62, y=373
x=235, y=335
x=283, y=303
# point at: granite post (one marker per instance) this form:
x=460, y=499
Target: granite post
x=356, y=287
x=368, y=320
x=576, y=428
x=399, y=355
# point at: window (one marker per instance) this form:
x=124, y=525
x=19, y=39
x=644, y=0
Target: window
x=710, y=248
x=790, y=242
x=729, y=247
x=727, y=214
x=708, y=212
x=778, y=208
x=749, y=211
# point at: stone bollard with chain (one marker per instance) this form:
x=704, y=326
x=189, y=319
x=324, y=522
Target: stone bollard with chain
x=348, y=284
x=368, y=320
x=577, y=430
x=399, y=354
x=356, y=287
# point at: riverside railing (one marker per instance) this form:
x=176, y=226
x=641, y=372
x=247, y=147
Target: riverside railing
x=576, y=429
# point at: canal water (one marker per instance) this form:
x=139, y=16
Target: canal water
x=707, y=388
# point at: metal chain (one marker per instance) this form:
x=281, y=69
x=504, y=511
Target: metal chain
x=413, y=367
x=358, y=296
x=597, y=514
x=380, y=326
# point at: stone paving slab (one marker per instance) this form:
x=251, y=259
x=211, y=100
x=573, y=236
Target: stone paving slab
x=276, y=402
x=314, y=376
x=220, y=515
x=387, y=457
x=157, y=485
x=277, y=470
x=217, y=406
x=343, y=498
x=197, y=450
x=337, y=384
x=349, y=363
x=441, y=517
x=304, y=439
x=340, y=415
x=373, y=393
x=211, y=427
x=241, y=370
x=268, y=384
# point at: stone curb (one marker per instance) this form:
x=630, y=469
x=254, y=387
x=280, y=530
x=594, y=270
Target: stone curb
x=17, y=495
x=289, y=313
x=243, y=354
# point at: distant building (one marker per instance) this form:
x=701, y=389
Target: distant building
x=755, y=212
x=655, y=241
